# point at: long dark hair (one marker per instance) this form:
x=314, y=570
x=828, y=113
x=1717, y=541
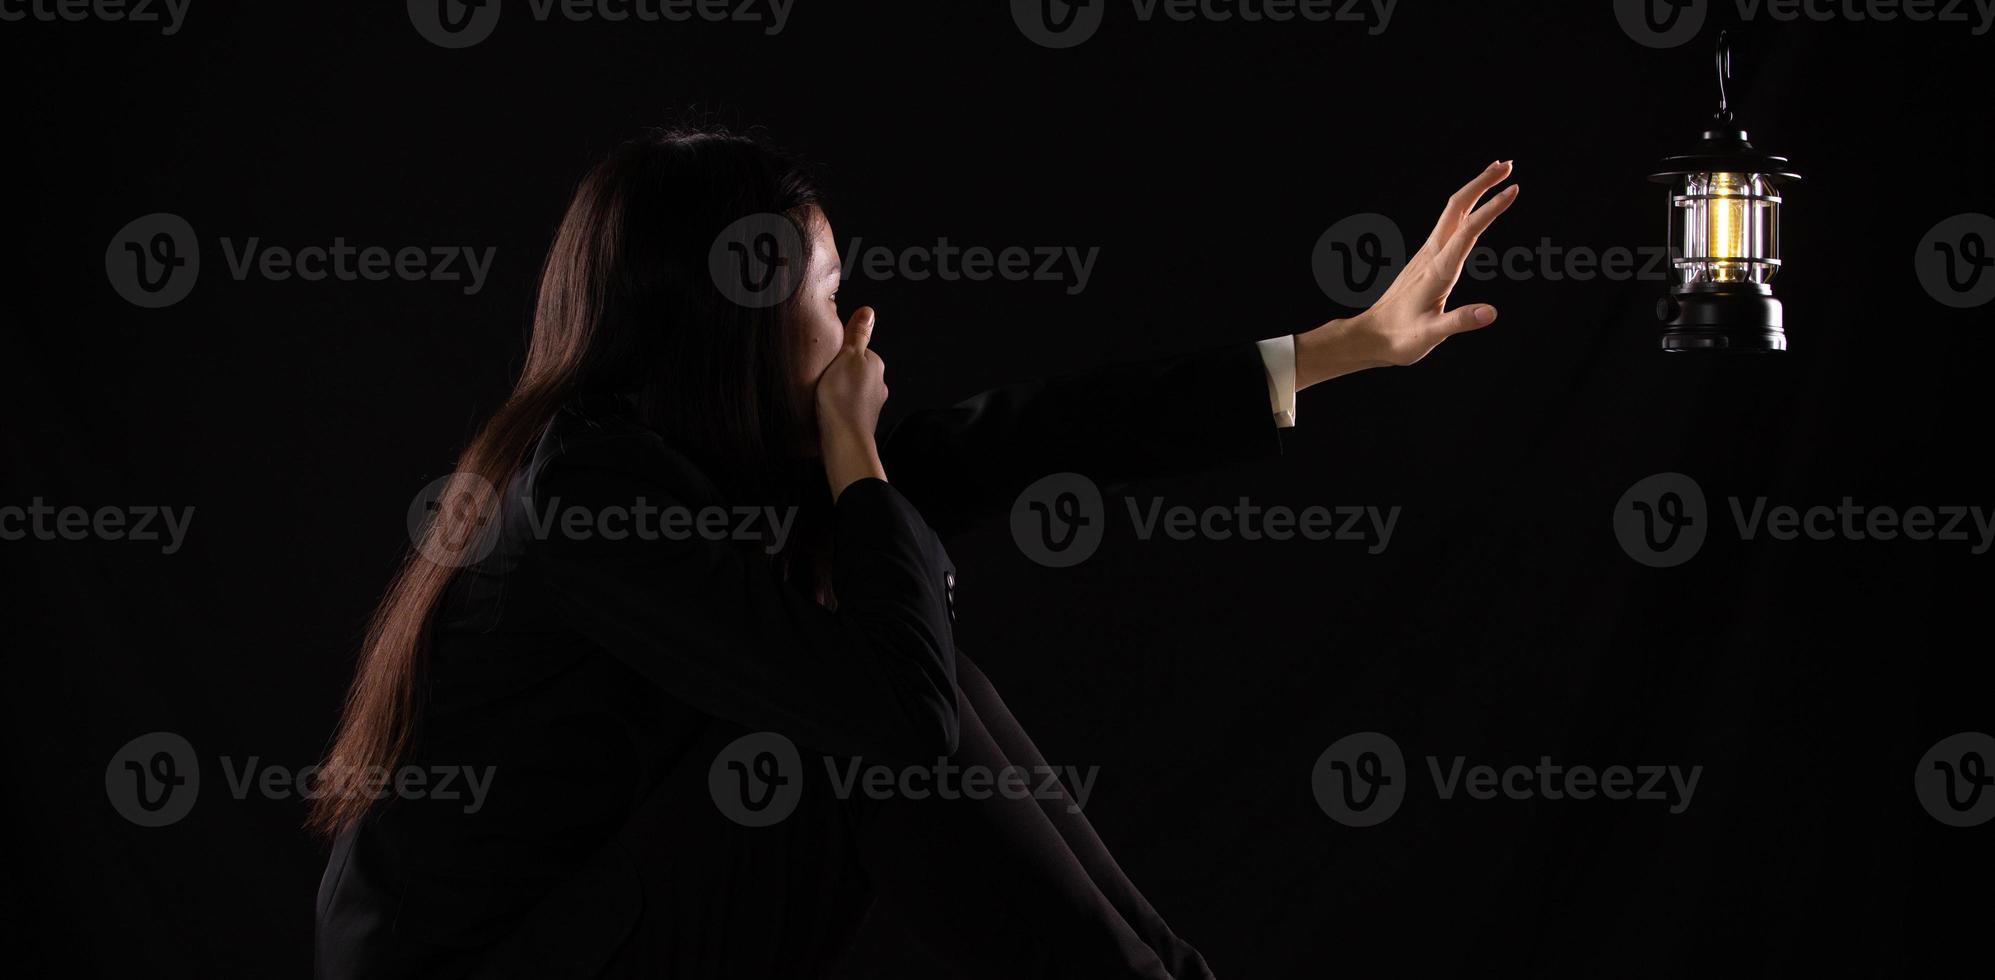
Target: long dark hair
x=627, y=306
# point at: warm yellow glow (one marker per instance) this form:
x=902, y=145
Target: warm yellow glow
x=1726, y=222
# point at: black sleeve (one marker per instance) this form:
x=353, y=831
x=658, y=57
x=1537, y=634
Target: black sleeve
x=713, y=624
x=1114, y=425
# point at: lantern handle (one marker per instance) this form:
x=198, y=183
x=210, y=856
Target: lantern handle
x=1724, y=65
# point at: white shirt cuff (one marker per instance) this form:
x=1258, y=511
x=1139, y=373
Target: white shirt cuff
x=1278, y=356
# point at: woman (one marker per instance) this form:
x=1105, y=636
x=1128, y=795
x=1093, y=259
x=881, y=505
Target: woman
x=611, y=686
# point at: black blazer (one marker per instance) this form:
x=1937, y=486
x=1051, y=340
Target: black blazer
x=583, y=672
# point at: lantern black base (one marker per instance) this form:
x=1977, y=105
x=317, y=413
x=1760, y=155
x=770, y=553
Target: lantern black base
x=1741, y=318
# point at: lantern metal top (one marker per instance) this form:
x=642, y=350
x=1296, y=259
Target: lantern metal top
x=1725, y=151
x=1724, y=147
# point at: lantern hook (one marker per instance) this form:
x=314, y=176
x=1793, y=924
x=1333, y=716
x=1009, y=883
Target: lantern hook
x=1724, y=65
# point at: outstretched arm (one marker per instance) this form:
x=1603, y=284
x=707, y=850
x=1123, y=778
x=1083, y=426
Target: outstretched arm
x=1113, y=424
x=1183, y=413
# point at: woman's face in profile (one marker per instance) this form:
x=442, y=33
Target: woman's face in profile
x=815, y=321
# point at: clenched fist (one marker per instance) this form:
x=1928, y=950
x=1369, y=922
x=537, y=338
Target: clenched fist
x=850, y=393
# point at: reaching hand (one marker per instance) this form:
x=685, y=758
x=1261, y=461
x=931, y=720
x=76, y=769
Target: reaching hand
x=1412, y=318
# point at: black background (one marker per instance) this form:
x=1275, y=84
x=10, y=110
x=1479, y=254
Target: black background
x=1504, y=622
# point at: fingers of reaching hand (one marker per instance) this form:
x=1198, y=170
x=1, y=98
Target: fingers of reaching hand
x=1457, y=251
x=1464, y=200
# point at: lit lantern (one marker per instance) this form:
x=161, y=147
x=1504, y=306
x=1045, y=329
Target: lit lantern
x=1724, y=238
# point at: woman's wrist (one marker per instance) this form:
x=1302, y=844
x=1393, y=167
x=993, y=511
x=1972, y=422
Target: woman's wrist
x=1335, y=349
x=848, y=458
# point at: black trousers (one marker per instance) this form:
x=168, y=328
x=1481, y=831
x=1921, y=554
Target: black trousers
x=1003, y=887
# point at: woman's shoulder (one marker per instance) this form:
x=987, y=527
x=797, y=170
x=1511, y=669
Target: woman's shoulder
x=598, y=439
x=597, y=427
